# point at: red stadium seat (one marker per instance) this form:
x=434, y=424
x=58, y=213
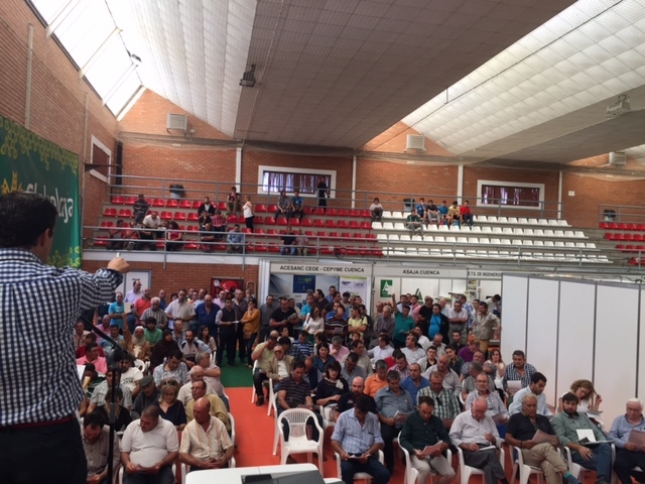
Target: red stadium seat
x=366, y=225
x=366, y=214
x=118, y=200
x=130, y=200
x=330, y=224
x=319, y=211
x=613, y=226
x=268, y=220
x=125, y=213
x=309, y=233
x=354, y=213
x=319, y=223
x=640, y=227
x=246, y=231
x=191, y=246
x=332, y=212
x=109, y=212
x=619, y=236
x=179, y=217
x=343, y=212
x=158, y=202
x=258, y=220
x=259, y=232
x=272, y=208
x=241, y=219
x=294, y=222
x=272, y=232
x=333, y=235
x=231, y=219
x=193, y=217
x=342, y=224
x=353, y=224
x=603, y=225
x=186, y=204
x=260, y=208
x=222, y=206
x=307, y=210
x=107, y=224
x=172, y=203
x=623, y=226
x=193, y=228
x=282, y=220
x=628, y=237
x=197, y=204
x=261, y=247
x=346, y=235
x=101, y=241
x=609, y=236
x=307, y=222
x=166, y=216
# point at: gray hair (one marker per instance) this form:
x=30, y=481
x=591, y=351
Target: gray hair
x=529, y=395
x=380, y=365
x=201, y=355
x=155, y=300
x=636, y=400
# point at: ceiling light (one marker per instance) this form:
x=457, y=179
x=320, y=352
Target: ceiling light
x=248, y=78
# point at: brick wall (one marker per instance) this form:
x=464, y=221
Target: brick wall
x=96, y=193
x=178, y=276
x=394, y=140
x=57, y=94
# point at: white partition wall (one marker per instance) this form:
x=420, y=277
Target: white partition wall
x=617, y=317
x=575, y=334
x=514, y=305
x=542, y=329
x=572, y=330
x=640, y=393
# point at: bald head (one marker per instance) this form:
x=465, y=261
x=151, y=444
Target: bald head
x=358, y=385
x=202, y=410
x=479, y=408
x=196, y=373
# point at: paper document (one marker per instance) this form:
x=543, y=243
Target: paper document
x=637, y=438
x=587, y=437
x=429, y=449
x=399, y=417
x=513, y=386
x=486, y=447
x=541, y=437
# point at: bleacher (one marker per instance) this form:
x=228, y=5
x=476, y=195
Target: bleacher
x=625, y=238
x=491, y=237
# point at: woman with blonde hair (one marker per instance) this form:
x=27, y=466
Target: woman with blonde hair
x=586, y=393
x=170, y=408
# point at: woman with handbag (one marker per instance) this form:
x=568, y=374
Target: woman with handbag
x=251, y=328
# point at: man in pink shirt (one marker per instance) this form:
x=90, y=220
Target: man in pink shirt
x=92, y=356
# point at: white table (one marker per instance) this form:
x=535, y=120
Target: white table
x=234, y=476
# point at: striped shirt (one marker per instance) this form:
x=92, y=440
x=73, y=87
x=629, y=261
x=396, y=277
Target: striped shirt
x=354, y=438
x=35, y=386
x=205, y=444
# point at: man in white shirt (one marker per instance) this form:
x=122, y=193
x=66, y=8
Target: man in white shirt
x=382, y=351
x=536, y=387
x=148, y=448
x=438, y=343
x=185, y=394
x=472, y=431
x=451, y=380
x=458, y=318
x=180, y=310
x=412, y=351
x=205, y=443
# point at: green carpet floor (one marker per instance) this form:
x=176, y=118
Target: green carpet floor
x=236, y=376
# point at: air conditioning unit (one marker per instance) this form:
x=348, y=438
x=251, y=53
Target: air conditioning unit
x=177, y=121
x=617, y=158
x=415, y=142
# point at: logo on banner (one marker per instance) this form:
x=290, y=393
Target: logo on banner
x=386, y=287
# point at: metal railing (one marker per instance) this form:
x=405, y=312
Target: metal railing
x=621, y=213
x=162, y=187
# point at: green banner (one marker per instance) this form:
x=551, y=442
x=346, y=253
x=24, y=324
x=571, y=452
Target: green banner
x=32, y=164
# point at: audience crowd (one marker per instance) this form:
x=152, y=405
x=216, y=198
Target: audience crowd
x=424, y=375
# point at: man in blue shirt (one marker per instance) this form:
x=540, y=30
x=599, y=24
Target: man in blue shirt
x=357, y=439
x=415, y=381
x=296, y=207
x=628, y=453
x=206, y=313
x=116, y=310
x=235, y=240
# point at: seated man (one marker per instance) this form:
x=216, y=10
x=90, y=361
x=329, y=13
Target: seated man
x=400, y=364
x=423, y=429
x=235, y=240
x=350, y=368
x=447, y=406
x=536, y=387
x=567, y=424
x=357, y=439
x=520, y=371
x=432, y=213
x=376, y=210
x=205, y=443
x=415, y=382
x=443, y=213
x=96, y=435
x=520, y=432
x=337, y=350
x=495, y=409
x=377, y=380
x=358, y=348
x=469, y=384
x=451, y=380
x=92, y=356
x=382, y=349
x=301, y=242
x=347, y=400
x=173, y=368
x=148, y=448
x=296, y=206
x=288, y=242
x=212, y=375
x=149, y=395
x=185, y=394
x=488, y=368
x=218, y=223
x=393, y=404
x=294, y=392
x=465, y=214
x=99, y=393
x=207, y=237
x=413, y=222
x=191, y=346
x=453, y=212
x=628, y=454
x=263, y=354
x=280, y=365
x=413, y=353
x=217, y=407
x=472, y=431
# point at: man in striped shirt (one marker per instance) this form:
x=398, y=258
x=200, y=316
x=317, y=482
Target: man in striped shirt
x=40, y=393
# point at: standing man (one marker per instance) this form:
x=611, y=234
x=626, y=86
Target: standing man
x=226, y=322
x=423, y=429
x=206, y=313
x=180, y=310
x=266, y=310
x=241, y=306
x=39, y=399
x=155, y=311
x=458, y=318
x=484, y=325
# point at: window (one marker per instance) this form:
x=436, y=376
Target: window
x=510, y=194
x=273, y=179
x=101, y=159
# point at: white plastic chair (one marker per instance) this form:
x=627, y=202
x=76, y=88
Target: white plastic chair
x=359, y=476
x=232, y=420
x=185, y=469
x=466, y=471
x=411, y=474
x=274, y=402
x=298, y=442
x=576, y=469
x=328, y=415
x=525, y=470
x=271, y=399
